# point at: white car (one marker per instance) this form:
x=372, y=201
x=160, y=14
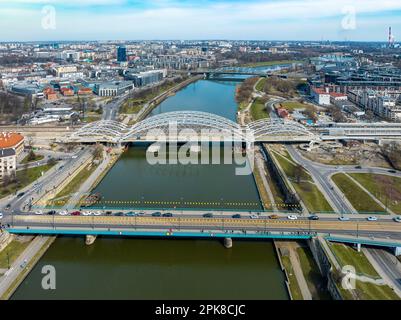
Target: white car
x=97, y=213
x=39, y=212
x=86, y=213
x=292, y=217
x=397, y=219
x=343, y=219
x=1, y=215
x=254, y=216
x=372, y=218
x=63, y=213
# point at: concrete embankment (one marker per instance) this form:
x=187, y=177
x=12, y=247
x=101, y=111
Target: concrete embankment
x=287, y=279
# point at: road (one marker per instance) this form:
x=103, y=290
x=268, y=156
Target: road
x=47, y=182
x=110, y=110
x=388, y=264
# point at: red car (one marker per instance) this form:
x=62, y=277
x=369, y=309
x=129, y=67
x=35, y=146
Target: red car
x=76, y=213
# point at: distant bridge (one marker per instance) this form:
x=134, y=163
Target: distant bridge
x=218, y=74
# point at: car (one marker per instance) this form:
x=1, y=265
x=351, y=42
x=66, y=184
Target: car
x=392, y=171
x=1, y=215
x=236, y=216
x=21, y=194
x=292, y=217
x=97, y=213
x=76, y=213
x=7, y=207
x=254, y=216
x=109, y=213
x=314, y=217
x=274, y=217
x=167, y=215
x=372, y=218
x=39, y=212
x=131, y=214
x=358, y=167
x=208, y=215
x=87, y=213
x=63, y=213
x=397, y=219
x=342, y=218
x=156, y=214
x=119, y=214
x=51, y=212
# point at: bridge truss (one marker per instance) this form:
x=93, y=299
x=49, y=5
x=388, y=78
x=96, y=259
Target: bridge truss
x=189, y=124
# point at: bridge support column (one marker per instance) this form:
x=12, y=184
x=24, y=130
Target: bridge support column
x=358, y=247
x=228, y=243
x=397, y=251
x=90, y=239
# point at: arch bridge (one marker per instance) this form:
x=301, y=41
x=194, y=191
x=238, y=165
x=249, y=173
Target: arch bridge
x=184, y=126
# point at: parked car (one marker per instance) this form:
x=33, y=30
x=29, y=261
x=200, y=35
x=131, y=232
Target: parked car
x=314, y=217
x=76, y=213
x=343, y=218
x=236, y=216
x=292, y=217
x=372, y=218
x=208, y=215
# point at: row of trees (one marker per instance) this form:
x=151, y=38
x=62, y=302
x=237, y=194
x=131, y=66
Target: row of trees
x=245, y=90
x=392, y=152
x=12, y=106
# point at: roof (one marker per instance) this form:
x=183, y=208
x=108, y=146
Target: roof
x=320, y=91
x=10, y=140
x=7, y=152
x=337, y=94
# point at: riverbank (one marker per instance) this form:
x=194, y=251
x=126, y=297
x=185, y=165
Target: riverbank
x=23, y=265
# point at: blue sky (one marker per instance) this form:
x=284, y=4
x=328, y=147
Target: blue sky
x=367, y=20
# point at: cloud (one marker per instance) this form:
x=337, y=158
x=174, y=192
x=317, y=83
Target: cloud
x=173, y=19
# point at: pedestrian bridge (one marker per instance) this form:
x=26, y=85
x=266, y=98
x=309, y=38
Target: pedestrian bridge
x=186, y=126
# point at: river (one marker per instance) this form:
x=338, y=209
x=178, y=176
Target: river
x=167, y=269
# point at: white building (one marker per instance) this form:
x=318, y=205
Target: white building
x=321, y=96
x=8, y=162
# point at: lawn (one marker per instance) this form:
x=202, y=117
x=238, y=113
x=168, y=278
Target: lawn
x=13, y=250
x=347, y=255
x=24, y=178
x=293, y=105
x=359, y=199
x=385, y=188
x=316, y=283
x=259, y=110
x=27, y=159
x=294, y=286
x=261, y=84
x=304, y=186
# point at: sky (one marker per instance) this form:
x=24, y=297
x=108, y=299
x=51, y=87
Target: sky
x=48, y=20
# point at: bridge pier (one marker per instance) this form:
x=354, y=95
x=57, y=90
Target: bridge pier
x=358, y=247
x=397, y=251
x=228, y=243
x=90, y=239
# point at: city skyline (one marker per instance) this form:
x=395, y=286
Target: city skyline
x=41, y=20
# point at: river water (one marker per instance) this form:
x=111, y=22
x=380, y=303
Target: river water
x=167, y=269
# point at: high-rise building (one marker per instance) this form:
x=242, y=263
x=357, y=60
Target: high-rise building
x=121, y=54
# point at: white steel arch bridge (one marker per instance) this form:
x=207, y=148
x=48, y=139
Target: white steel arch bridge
x=183, y=126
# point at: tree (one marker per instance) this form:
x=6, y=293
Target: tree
x=98, y=151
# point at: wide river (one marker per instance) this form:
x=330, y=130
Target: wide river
x=167, y=269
